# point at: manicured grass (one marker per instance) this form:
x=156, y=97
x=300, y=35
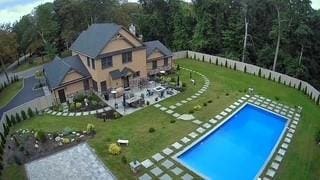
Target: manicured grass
x=9, y=92
x=302, y=160
x=14, y=172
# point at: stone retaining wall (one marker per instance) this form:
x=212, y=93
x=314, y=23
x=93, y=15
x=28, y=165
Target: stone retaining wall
x=303, y=86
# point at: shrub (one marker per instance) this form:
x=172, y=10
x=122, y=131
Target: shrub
x=66, y=140
x=279, y=79
x=318, y=100
x=191, y=111
x=67, y=131
x=318, y=137
x=269, y=78
x=197, y=107
x=24, y=115
x=299, y=87
x=259, y=72
x=90, y=128
x=114, y=149
x=8, y=121
x=210, y=101
x=172, y=121
x=40, y=136
x=184, y=84
x=204, y=104
x=226, y=64
x=234, y=66
x=151, y=130
x=13, y=120
x=78, y=105
x=276, y=98
x=5, y=129
x=116, y=115
x=18, y=118
x=79, y=98
x=178, y=67
x=245, y=69
x=3, y=139
x=30, y=113
x=227, y=94
x=124, y=160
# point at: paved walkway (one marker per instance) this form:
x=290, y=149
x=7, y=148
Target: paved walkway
x=26, y=94
x=84, y=113
x=76, y=163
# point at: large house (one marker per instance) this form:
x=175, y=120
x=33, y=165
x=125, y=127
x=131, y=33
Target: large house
x=105, y=57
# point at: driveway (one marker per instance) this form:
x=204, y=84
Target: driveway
x=25, y=95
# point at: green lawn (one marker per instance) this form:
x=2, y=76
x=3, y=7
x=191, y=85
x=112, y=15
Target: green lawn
x=9, y=92
x=302, y=160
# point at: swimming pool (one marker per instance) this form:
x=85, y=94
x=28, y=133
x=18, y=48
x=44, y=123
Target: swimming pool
x=239, y=148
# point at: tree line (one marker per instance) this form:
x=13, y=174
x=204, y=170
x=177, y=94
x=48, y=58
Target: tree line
x=282, y=35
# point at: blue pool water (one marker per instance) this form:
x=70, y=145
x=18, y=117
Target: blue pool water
x=239, y=148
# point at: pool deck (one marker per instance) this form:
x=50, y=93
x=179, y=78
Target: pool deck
x=158, y=167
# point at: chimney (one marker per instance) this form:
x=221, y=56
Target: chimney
x=132, y=29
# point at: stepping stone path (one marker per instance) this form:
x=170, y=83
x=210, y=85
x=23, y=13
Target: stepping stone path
x=147, y=163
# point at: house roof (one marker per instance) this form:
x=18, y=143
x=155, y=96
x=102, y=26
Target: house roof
x=57, y=69
x=157, y=45
x=92, y=41
x=117, y=74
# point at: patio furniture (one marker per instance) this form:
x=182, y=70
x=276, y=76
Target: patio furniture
x=133, y=101
x=123, y=141
x=159, y=90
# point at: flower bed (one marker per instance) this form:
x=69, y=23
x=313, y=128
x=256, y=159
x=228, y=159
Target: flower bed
x=26, y=145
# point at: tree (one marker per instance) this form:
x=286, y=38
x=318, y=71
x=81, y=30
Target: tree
x=8, y=49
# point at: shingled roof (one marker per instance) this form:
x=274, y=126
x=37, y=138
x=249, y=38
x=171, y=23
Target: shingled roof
x=92, y=41
x=157, y=45
x=56, y=70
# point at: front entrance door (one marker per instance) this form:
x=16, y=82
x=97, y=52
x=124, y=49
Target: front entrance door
x=125, y=82
x=62, y=96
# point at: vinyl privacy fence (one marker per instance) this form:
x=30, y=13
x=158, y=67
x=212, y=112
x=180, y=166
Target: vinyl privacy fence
x=303, y=86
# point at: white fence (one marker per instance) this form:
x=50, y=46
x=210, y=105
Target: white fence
x=312, y=92
x=39, y=104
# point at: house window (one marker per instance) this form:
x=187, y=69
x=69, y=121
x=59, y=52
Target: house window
x=88, y=61
x=93, y=64
x=126, y=57
x=94, y=85
x=106, y=62
x=154, y=64
x=103, y=85
x=165, y=62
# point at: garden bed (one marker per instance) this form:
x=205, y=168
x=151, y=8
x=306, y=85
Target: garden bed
x=82, y=102
x=26, y=145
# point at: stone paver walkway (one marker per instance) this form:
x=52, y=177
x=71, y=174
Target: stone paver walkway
x=84, y=113
x=78, y=162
